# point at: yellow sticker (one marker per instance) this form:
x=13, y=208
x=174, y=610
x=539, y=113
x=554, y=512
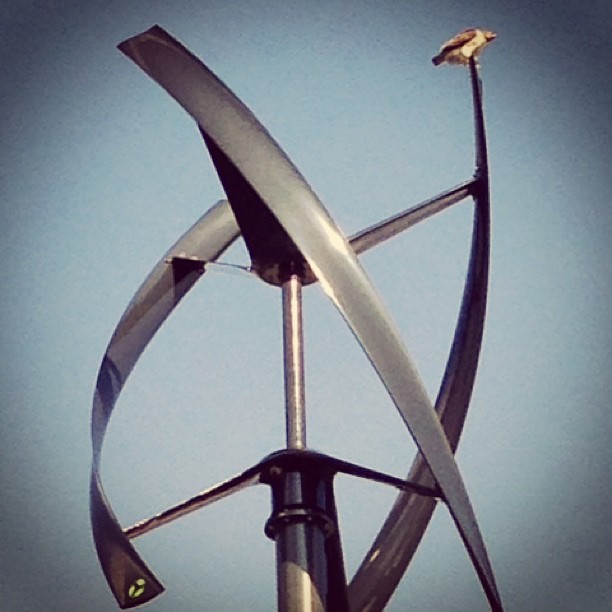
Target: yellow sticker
x=137, y=588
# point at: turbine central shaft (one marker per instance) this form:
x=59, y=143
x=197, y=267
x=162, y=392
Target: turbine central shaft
x=293, y=353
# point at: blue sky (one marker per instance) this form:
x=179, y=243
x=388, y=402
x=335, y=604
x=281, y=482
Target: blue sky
x=100, y=173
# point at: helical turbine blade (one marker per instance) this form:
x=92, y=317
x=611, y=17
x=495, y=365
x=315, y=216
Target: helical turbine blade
x=259, y=159
x=131, y=581
x=274, y=255
x=382, y=568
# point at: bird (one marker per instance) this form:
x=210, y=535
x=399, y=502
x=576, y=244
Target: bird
x=460, y=48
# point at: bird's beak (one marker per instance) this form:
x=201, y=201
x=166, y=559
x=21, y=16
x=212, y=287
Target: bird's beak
x=490, y=35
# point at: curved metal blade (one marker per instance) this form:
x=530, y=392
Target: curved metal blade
x=230, y=124
x=274, y=256
x=131, y=581
x=382, y=568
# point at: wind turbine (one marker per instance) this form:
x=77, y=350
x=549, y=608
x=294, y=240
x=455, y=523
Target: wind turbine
x=293, y=241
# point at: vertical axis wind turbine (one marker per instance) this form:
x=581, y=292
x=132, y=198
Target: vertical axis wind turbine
x=293, y=241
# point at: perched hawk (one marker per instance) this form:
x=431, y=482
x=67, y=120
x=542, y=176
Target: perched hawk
x=460, y=48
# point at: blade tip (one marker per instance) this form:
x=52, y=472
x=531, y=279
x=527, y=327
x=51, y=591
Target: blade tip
x=155, y=31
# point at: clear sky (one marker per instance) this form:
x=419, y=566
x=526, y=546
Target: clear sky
x=101, y=171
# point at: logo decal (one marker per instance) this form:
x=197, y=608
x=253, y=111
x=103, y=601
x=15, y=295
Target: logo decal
x=137, y=588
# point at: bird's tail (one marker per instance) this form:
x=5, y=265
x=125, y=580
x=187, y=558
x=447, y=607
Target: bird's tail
x=437, y=60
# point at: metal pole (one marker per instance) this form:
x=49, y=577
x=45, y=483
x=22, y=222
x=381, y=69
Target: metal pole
x=300, y=542
x=293, y=353
x=301, y=567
